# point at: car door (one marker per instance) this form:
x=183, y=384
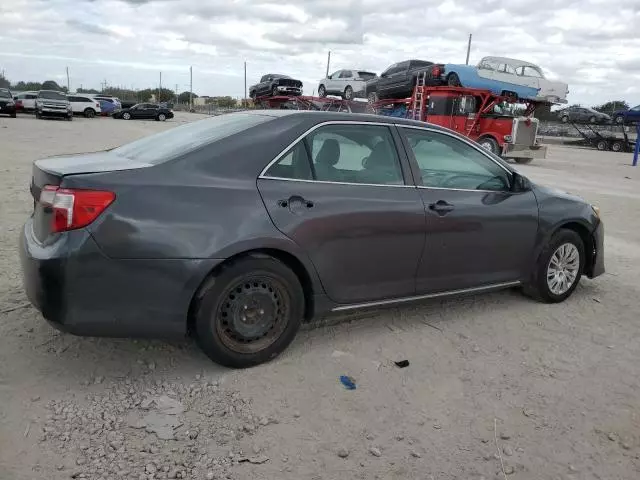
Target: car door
x=386, y=78
x=264, y=87
x=333, y=82
x=398, y=79
x=351, y=208
x=480, y=232
x=346, y=77
x=74, y=103
x=151, y=111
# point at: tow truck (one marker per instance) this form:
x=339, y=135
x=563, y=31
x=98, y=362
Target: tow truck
x=478, y=114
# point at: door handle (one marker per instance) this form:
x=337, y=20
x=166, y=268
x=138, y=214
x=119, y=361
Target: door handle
x=441, y=207
x=288, y=203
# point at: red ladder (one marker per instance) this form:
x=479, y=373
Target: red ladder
x=417, y=99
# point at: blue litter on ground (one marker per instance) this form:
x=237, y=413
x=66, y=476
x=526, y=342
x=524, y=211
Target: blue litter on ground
x=348, y=382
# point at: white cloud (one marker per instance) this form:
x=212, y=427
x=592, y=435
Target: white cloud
x=127, y=42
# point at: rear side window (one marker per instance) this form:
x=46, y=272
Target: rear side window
x=73, y=99
x=366, y=75
x=164, y=146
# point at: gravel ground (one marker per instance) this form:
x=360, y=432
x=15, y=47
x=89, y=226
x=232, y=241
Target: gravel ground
x=497, y=386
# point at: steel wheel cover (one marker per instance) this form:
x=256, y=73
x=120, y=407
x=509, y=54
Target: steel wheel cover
x=563, y=268
x=252, y=313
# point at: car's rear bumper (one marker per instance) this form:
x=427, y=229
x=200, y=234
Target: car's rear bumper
x=597, y=265
x=81, y=291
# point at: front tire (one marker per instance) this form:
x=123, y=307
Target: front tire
x=617, y=146
x=558, y=269
x=322, y=92
x=618, y=119
x=249, y=312
x=274, y=91
x=348, y=93
x=490, y=144
x=602, y=145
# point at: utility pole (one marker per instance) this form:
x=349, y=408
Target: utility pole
x=176, y=93
x=468, y=49
x=190, y=88
x=245, y=84
x=159, y=88
x=68, y=85
x=328, y=62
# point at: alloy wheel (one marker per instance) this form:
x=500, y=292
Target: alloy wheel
x=563, y=268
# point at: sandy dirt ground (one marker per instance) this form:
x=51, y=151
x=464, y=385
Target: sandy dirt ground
x=498, y=386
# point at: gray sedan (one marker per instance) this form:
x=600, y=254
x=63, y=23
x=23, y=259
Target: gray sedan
x=237, y=228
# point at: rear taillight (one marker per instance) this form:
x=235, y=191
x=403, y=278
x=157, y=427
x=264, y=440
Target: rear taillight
x=435, y=71
x=73, y=208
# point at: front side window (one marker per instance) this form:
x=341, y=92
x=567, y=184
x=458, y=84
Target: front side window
x=447, y=162
x=363, y=154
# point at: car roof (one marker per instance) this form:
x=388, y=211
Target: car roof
x=322, y=116
x=511, y=61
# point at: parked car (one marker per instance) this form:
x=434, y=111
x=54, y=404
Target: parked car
x=627, y=116
x=399, y=80
x=346, y=83
x=26, y=101
x=84, y=105
x=238, y=227
x=148, y=111
x=578, y=114
x=111, y=98
x=274, y=84
x=7, y=104
x=107, y=106
x=507, y=76
x=50, y=103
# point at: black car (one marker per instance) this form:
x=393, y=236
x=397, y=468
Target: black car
x=238, y=227
x=148, y=111
x=7, y=103
x=275, y=84
x=399, y=79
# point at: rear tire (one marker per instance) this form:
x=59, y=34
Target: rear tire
x=348, y=93
x=564, y=119
x=249, y=312
x=618, y=119
x=539, y=287
x=617, y=146
x=161, y=117
x=14, y=115
x=89, y=112
x=126, y=116
x=274, y=91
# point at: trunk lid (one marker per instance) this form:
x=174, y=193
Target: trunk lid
x=51, y=171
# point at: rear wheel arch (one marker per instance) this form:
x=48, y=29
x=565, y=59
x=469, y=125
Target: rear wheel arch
x=289, y=260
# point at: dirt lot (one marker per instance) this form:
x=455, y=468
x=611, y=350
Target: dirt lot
x=498, y=385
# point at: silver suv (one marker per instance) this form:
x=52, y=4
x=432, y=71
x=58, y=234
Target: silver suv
x=50, y=103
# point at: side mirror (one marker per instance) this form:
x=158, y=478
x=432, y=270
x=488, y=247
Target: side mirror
x=520, y=183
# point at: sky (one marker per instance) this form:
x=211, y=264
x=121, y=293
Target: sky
x=129, y=42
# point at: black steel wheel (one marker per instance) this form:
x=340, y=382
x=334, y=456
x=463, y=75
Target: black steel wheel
x=250, y=312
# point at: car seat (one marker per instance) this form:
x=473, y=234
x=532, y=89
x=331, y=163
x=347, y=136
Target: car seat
x=326, y=159
x=381, y=167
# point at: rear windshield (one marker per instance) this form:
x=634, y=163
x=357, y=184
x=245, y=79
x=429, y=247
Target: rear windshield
x=164, y=146
x=52, y=95
x=366, y=75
